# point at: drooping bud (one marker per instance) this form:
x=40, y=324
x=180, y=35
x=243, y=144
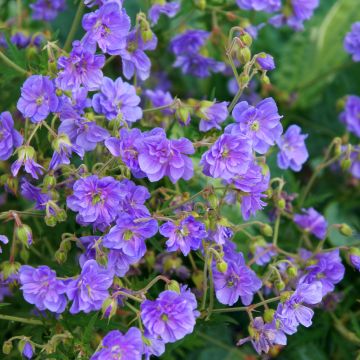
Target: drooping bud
x=109, y=308
x=7, y=347
x=244, y=55
x=9, y=268
x=183, y=114
x=222, y=266
x=292, y=271
x=201, y=4
x=246, y=39
x=345, y=230
x=23, y=233
x=174, y=286
x=26, y=348
x=269, y=315
x=280, y=285
x=267, y=230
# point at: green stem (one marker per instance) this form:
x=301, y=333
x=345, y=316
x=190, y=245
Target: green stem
x=211, y=302
x=205, y=281
x=74, y=25
x=152, y=283
x=20, y=319
x=10, y=63
x=36, y=128
x=161, y=107
x=247, y=308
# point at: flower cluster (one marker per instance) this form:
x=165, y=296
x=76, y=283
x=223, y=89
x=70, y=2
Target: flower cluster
x=157, y=188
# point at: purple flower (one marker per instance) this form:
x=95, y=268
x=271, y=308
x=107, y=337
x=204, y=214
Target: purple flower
x=4, y=240
x=63, y=151
x=159, y=156
x=41, y=288
x=312, y=222
x=260, y=5
x=10, y=138
x=129, y=235
x=120, y=263
x=115, y=345
x=221, y=234
x=186, y=236
x=73, y=106
x=266, y=62
x=301, y=10
x=26, y=158
x=293, y=152
x=83, y=133
x=324, y=267
x=38, y=98
x=351, y=114
x=189, y=42
x=108, y=27
x=47, y=10
x=160, y=98
x=354, y=257
x=292, y=312
x=260, y=123
x=198, y=65
x=263, y=336
x=171, y=316
x=96, y=201
x=27, y=350
x=352, y=41
x=133, y=56
x=127, y=147
x=133, y=198
x=20, y=40
x=117, y=99
x=162, y=7
x=238, y=281
x=152, y=346
x=212, y=114
x=186, y=47
x=264, y=254
x=229, y=156
x=91, y=3
x=90, y=289
x=80, y=68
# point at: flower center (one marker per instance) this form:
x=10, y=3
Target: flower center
x=39, y=100
x=255, y=126
x=164, y=317
x=96, y=199
x=128, y=235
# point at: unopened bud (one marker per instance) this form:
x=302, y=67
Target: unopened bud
x=243, y=80
x=24, y=234
x=222, y=266
x=246, y=39
x=267, y=230
x=244, y=55
x=50, y=220
x=201, y=4
x=281, y=204
x=49, y=181
x=7, y=347
x=60, y=256
x=345, y=230
x=265, y=79
x=174, y=286
x=183, y=115
x=345, y=164
x=213, y=200
x=9, y=269
x=279, y=284
x=109, y=308
x=292, y=271
x=269, y=315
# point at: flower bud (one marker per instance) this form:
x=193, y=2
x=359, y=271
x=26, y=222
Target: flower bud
x=174, y=286
x=246, y=39
x=24, y=255
x=24, y=234
x=9, y=268
x=61, y=215
x=213, y=200
x=244, y=55
x=12, y=184
x=345, y=230
x=222, y=266
x=269, y=315
x=26, y=152
x=280, y=285
x=292, y=271
x=7, y=347
x=26, y=348
x=243, y=80
x=60, y=142
x=101, y=257
x=60, y=256
x=50, y=220
x=285, y=296
x=267, y=230
x=49, y=181
x=345, y=164
x=109, y=308
x=201, y=4
x=183, y=115
x=281, y=204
